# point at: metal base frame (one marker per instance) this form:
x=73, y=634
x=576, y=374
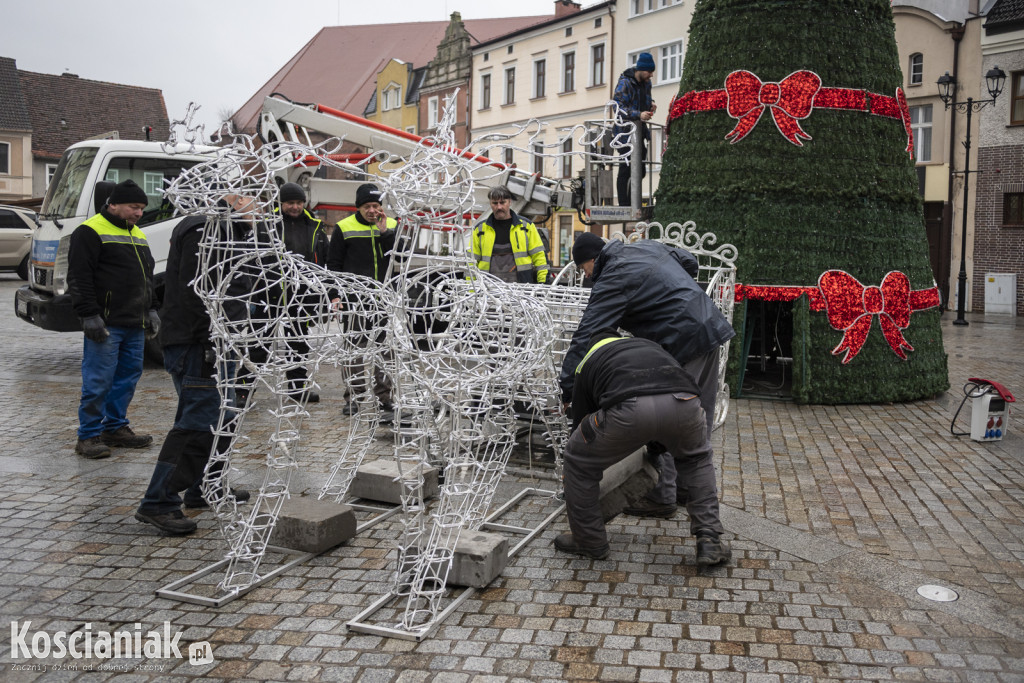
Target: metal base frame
x=359, y=623
x=171, y=592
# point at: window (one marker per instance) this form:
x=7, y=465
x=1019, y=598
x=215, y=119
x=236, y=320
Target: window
x=671, y=62
x=539, y=75
x=50, y=170
x=391, y=97
x=509, y=157
x=564, y=239
x=1017, y=104
x=538, y=158
x=567, y=158
x=916, y=69
x=509, y=49
x=485, y=91
x=655, y=145
x=1013, y=208
x=113, y=175
x=152, y=175
x=411, y=129
x=597, y=64
x=152, y=183
x=921, y=126
x=5, y=157
x=568, y=72
x=510, y=86
x=597, y=22
x=432, y=110
x=568, y=31
x=637, y=7
x=487, y=55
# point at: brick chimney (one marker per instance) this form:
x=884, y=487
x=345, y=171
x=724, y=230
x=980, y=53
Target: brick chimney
x=564, y=8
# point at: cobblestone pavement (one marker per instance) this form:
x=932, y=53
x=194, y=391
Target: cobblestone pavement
x=837, y=515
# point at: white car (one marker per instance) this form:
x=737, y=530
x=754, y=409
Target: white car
x=16, y=227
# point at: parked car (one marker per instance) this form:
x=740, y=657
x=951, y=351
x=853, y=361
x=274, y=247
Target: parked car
x=16, y=227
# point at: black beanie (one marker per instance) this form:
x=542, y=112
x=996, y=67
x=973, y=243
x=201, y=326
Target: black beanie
x=367, y=193
x=127, y=192
x=586, y=247
x=291, y=192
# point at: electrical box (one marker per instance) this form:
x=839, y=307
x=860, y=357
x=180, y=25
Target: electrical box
x=1001, y=293
x=990, y=415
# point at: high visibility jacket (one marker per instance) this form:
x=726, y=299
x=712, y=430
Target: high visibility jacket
x=527, y=248
x=360, y=248
x=305, y=236
x=110, y=272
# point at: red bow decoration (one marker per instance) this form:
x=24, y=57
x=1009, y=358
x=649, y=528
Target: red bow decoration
x=851, y=306
x=789, y=100
x=901, y=100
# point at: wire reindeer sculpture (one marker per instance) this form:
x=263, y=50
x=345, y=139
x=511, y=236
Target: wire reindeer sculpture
x=460, y=346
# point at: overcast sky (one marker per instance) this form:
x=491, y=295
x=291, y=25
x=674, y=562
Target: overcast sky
x=216, y=53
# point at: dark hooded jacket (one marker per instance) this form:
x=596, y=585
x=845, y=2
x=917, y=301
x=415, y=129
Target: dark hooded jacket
x=184, y=317
x=648, y=289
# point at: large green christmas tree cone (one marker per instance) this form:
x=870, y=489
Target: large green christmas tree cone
x=790, y=139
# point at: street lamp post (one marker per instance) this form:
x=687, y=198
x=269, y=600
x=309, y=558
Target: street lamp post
x=994, y=80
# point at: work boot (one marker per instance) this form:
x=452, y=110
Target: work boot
x=711, y=549
x=312, y=397
x=172, y=523
x=350, y=408
x=241, y=496
x=92, y=448
x=127, y=438
x=645, y=507
x=567, y=544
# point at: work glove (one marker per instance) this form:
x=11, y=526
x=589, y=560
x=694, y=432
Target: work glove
x=152, y=324
x=94, y=328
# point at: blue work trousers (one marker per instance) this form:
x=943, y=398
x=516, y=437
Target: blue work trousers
x=110, y=371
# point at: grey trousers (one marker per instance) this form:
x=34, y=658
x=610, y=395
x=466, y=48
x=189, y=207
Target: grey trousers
x=608, y=436
x=705, y=370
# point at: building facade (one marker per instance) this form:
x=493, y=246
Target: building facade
x=935, y=38
x=998, y=274
x=558, y=72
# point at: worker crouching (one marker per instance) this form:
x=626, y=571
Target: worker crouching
x=629, y=392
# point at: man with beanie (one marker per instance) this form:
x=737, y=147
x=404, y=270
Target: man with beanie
x=110, y=281
x=303, y=236
x=362, y=242
x=629, y=391
x=649, y=289
x=507, y=245
x=633, y=95
x=190, y=360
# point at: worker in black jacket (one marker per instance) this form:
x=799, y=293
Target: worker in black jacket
x=190, y=359
x=628, y=392
x=362, y=242
x=110, y=281
x=302, y=234
x=649, y=289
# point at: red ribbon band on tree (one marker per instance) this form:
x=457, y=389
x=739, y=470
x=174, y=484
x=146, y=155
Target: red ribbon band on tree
x=851, y=306
x=745, y=97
